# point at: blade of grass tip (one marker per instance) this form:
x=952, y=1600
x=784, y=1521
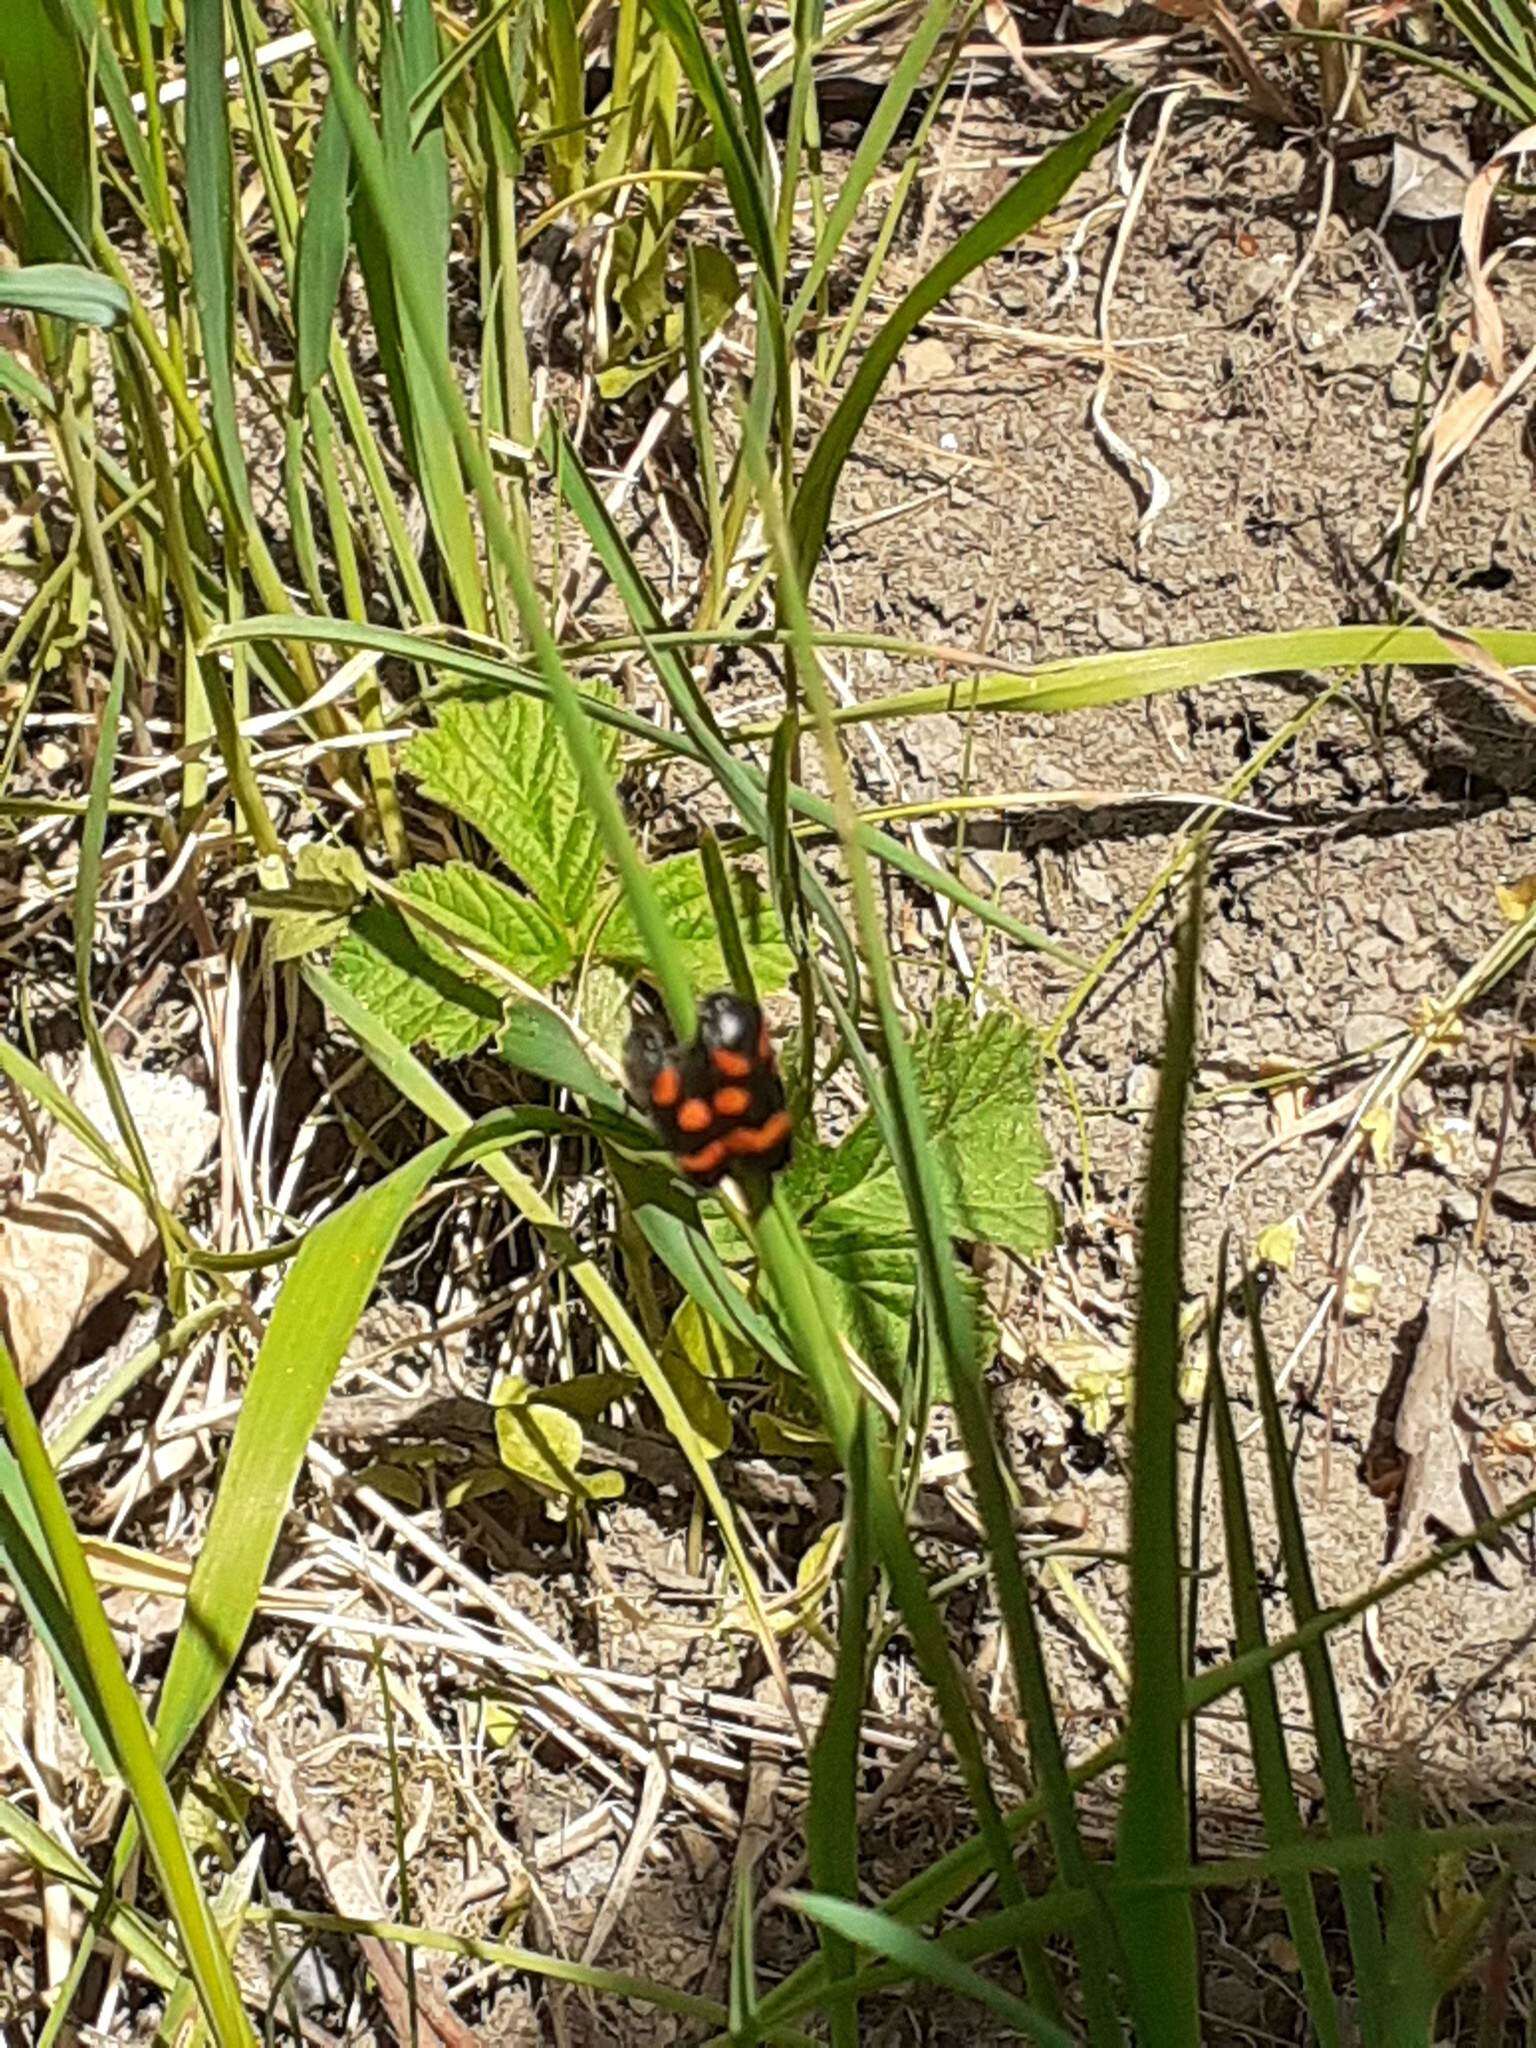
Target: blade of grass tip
x=210, y=233
x=832, y=1816
x=1340, y=1797
x=1157, y=1927
x=928, y=1961
x=663, y=953
x=126, y=1726
x=1028, y=202
x=915, y=1160
x=1266, y=1731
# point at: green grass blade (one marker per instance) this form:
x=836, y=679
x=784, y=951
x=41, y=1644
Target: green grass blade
x=1029, y=201
x=42, y=69
x=1100, y=679
x=1150, y=1841
x=65, y=291
x=127, y=1927
x=928, y=1960
x=210, y=232
x=738, y=160
x=24, y=1561
x=832, y=1817
x=312, y=1323
x=123, y=1718
x=904, y=1123
x=879, y=133
x=1341, y=1799
x=1272, y=1768
x=324, y=240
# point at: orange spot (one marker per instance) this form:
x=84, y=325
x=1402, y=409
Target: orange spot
x=666, y=1087
x=695, y=1115
x=753, y=1143
x=732, y=1101
x=705, y=1161
x=764, y=1048
x=736, y=1064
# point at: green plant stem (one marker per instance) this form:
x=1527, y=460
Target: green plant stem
x=123, y=1717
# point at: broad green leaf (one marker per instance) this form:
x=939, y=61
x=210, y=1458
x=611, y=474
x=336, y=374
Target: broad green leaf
x=978, y=1084
x=707, y=1347
x=329, y=883
x=869, y=1266
x=698, y=1350
x=542, y=1445
x=502, y=764
x=473, y=906
x=386, y=967
x=684, y=893
x=66, y=291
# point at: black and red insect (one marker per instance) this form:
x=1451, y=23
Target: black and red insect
x=718, y=1103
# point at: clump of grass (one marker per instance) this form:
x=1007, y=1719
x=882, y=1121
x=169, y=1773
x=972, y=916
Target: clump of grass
x=160, y=352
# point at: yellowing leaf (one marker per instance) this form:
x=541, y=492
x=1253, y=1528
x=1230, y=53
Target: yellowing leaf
x=1440, y=1028
x=542, y=1445
x=1516, y=899
x=1362, y=1284
x=1094, y=1375
x=1380, y=1127
x=500, y=1722
x=1277, y=1243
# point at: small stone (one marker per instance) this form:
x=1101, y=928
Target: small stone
x=1095, y=885
x=1368, y=1028
x=1113, y=630
x=1398, y=921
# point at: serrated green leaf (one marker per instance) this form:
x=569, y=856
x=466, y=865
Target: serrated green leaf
x=978, y=1083
x=385, y=966
x=684, y=893
x=871, y=1274
x=482, y=911
x=542, y=1445
x=502, y=765
x=607, y=1014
